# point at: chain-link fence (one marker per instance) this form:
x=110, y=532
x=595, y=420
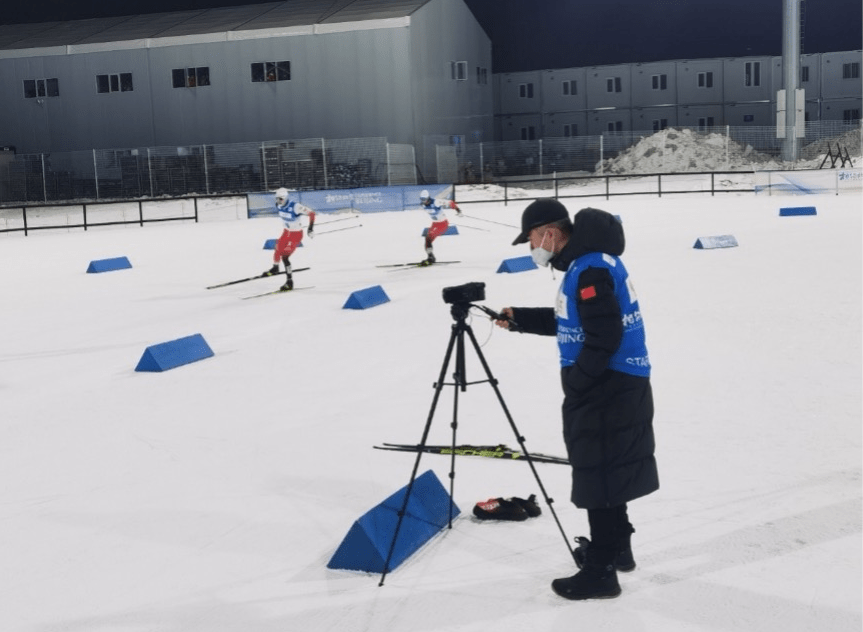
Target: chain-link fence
x=315, y=164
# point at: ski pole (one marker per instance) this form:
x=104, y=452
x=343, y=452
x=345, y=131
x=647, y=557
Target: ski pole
x=480, y=219
x=335, y=230
x=333, y=221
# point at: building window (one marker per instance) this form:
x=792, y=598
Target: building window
x=525, y=90
x=612, y=84
x=659, y=124
x=804, y=74
x=121, y=82
x=659, y=82
x=705, y=79
x=190, y=77
x=570, y=129
x=458, y=70
x=851, y=70
x=748, y=118
x=481, y=76
x=752, y=74
x=266, y=71
x=705, y=121
x=570, y=88
x=528, y=133
x=38, y=88
x=851, y=115
x=615, y=126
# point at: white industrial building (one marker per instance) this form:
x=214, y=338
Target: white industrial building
x=406, y=70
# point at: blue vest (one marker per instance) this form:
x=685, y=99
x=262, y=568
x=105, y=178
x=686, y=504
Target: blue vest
x=289, y=215
x=631, y=357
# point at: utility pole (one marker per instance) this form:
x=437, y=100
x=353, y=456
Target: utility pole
x=790, y=101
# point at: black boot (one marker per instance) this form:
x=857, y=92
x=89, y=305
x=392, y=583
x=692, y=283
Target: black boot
x=289, y=269
x=596, y=580
x=623, y=561
x=272, y=271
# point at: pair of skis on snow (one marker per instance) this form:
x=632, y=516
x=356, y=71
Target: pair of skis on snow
x=396, y=266
x=261, y=276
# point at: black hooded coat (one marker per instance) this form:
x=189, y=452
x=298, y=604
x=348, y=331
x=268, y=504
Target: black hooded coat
x=607, y=414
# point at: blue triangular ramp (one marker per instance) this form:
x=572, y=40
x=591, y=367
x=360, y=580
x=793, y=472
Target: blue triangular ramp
x=452, y=229
x=168, y=355
x=717, y=241
x=797, y=210
x=517, y=264
x=368, y=542
x=106, y=265
x=369, y=297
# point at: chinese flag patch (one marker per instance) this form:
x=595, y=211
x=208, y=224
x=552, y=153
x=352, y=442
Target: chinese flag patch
x=587, y=293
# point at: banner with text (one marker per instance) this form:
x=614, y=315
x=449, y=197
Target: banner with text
x=365, y=200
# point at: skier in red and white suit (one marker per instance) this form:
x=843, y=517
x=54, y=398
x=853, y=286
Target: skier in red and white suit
x=291, y=213
x=435, y=208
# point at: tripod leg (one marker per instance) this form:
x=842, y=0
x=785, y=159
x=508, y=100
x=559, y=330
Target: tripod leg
x=519, y=438
x=438, y=387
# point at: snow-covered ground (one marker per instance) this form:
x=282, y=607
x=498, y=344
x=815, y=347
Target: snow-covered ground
x=209, y=498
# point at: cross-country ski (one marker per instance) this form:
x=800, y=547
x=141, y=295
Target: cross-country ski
x=252, y=278
x=491, y=451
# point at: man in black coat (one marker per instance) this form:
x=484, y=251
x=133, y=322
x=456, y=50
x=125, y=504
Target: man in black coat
x=605, y=373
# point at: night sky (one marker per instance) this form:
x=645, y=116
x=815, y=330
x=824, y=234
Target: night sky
x=537, y=34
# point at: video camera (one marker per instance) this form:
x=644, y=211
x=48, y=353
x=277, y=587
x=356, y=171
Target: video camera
x=467, y=293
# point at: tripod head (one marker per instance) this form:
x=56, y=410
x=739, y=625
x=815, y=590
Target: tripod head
x=461, y=298
x=460, y=311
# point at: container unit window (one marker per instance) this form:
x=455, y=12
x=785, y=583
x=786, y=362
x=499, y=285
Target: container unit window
x=525, y=90
x=570, y=88
x=705, y=79
x=659, y=82
x=458, y=70
x=613, y=84
x=752, y=74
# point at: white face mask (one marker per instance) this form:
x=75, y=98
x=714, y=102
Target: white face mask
x=540, y=255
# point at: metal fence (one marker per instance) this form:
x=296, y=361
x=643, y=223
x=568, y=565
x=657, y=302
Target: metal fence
x=748, y=147
x=152, y=172
x=313, y=164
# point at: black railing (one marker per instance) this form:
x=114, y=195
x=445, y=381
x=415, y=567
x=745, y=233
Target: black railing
x=664, y=185
x=46, y=212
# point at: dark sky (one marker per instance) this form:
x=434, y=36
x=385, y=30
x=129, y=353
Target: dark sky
x=537, y=34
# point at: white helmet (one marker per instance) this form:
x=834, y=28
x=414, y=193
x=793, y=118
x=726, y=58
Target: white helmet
x=424, y=195
x=281, y=196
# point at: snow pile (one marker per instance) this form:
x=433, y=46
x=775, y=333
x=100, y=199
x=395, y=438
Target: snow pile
x=680, y=150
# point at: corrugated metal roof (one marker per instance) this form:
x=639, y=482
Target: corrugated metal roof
x=287, y=13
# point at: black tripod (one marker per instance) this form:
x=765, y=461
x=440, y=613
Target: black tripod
x=459, y=313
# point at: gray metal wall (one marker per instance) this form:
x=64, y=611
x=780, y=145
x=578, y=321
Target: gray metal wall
x=347, y=81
